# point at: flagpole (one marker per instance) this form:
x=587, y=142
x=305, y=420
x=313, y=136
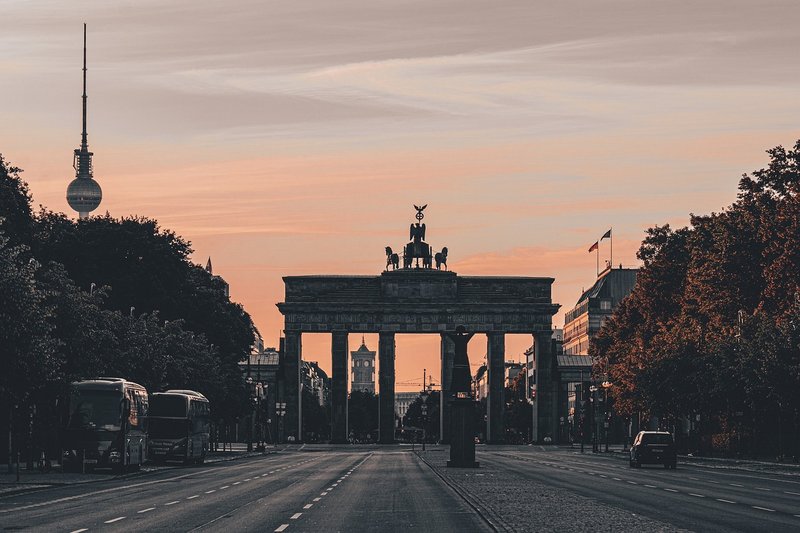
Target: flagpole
x=598, y=258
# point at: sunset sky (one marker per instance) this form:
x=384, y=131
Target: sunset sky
x=289, y=138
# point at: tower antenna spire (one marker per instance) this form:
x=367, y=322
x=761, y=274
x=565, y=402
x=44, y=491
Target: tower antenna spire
x=84, y=144
x=83, y=193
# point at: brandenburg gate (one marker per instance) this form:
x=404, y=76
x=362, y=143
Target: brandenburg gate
x=417, y=298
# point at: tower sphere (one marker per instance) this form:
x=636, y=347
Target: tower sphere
x=84, y=195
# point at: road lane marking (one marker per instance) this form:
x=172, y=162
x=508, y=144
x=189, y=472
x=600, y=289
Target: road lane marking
x=237, y=482
x=762, y=488
x=210, y=491
x=224, y=487
x=317, y=499
x=792, y=493
x=172, y=503
x=724, y=501
x=650, y=486
x=671, y=490
x=145, y=510
x=308, y=506
x=281, y=528
x=117, y=519
x=295, y=516
x=763, y=508
x=632, y=482
x=714, y=482
x=80, y=530
x=694, y=479
x=696, y=495
x=735, y=485
x=324, y=493
x=193, y=497
x=616, y=479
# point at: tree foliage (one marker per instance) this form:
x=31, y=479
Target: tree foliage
x=110, y=296
x=711, y=327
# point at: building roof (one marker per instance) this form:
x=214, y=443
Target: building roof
x=574, y=361
x=363, y=350
x=607, y=284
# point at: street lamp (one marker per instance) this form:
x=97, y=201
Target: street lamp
x=593, y=399
x=424, y=396
x=607, y=418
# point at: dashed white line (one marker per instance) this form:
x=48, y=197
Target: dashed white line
x=762, y=488
x=792, y=493
x=210, y=491
x=172, y=503
x=632, y=482
x=616, y=479
x=145, y=510
x=650, y=486
x=696, y=495
x=724, y=500
x=324, y=493
x=80, y=530
x=735, y=485
x=237, y=482
x=193, y=497
x=714, y=482
x=671, y=490
x=281, y=528
x=763, y=508
x=317, y=499
x=295, y=516
x=224, y=487
x=117, y=519
x=308, y=506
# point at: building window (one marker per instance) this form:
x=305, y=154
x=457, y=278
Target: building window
x=605, y=305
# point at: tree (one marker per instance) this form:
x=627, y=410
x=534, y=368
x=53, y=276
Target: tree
x=362, y=409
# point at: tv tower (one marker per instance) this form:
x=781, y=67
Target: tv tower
x=83, y=193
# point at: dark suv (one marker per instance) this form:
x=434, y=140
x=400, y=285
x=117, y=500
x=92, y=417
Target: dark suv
x=656, y=447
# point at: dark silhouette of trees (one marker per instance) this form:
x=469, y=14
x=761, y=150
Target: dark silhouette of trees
x=108, y=297
x=362, y=412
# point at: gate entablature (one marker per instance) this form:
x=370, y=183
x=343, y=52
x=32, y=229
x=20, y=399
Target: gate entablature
x=411, y=301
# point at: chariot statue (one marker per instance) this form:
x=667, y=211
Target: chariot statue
x=417, y=253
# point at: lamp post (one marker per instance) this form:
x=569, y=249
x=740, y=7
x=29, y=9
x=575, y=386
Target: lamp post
x=424, y=396
x=280, y=412
x=607, y=418
x=593, y=399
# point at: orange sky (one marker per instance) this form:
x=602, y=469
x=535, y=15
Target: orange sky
x=293, y=138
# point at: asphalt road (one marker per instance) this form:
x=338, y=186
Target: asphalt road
x=693, y=497
x=343, y=490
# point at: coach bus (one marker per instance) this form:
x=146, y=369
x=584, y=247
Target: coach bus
x=179, y=426
x=105, y=426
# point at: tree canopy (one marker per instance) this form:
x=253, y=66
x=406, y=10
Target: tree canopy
x=710, y=329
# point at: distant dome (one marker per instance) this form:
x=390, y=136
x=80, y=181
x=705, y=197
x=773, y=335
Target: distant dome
x=84, y=195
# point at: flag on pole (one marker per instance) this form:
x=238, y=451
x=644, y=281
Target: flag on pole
x=606, y=235
x=594, y=247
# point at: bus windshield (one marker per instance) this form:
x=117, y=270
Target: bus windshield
x=165, y=428
x=95, y=409
x=165, y=405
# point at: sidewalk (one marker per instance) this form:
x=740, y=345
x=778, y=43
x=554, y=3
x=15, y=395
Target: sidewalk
x=34, y=479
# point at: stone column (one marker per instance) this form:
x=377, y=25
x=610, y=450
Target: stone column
x=448, y=351
x=546, y=403
x=339, y=387
x=386, y=379
x=291, y=384
x=496, y=366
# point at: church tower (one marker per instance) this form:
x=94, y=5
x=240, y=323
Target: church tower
x=363, y=369
x=83, y=193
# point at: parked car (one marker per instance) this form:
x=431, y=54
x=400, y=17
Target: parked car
x=654, y=447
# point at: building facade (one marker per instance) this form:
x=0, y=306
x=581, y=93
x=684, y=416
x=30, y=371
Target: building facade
x=363, y=369
x=582, y=322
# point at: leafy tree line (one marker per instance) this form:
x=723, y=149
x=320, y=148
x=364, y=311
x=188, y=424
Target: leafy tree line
x=107, y=296
x=709, y=336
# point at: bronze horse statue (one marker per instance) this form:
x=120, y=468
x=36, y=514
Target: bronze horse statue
x=441, y=259
x=392, y=259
